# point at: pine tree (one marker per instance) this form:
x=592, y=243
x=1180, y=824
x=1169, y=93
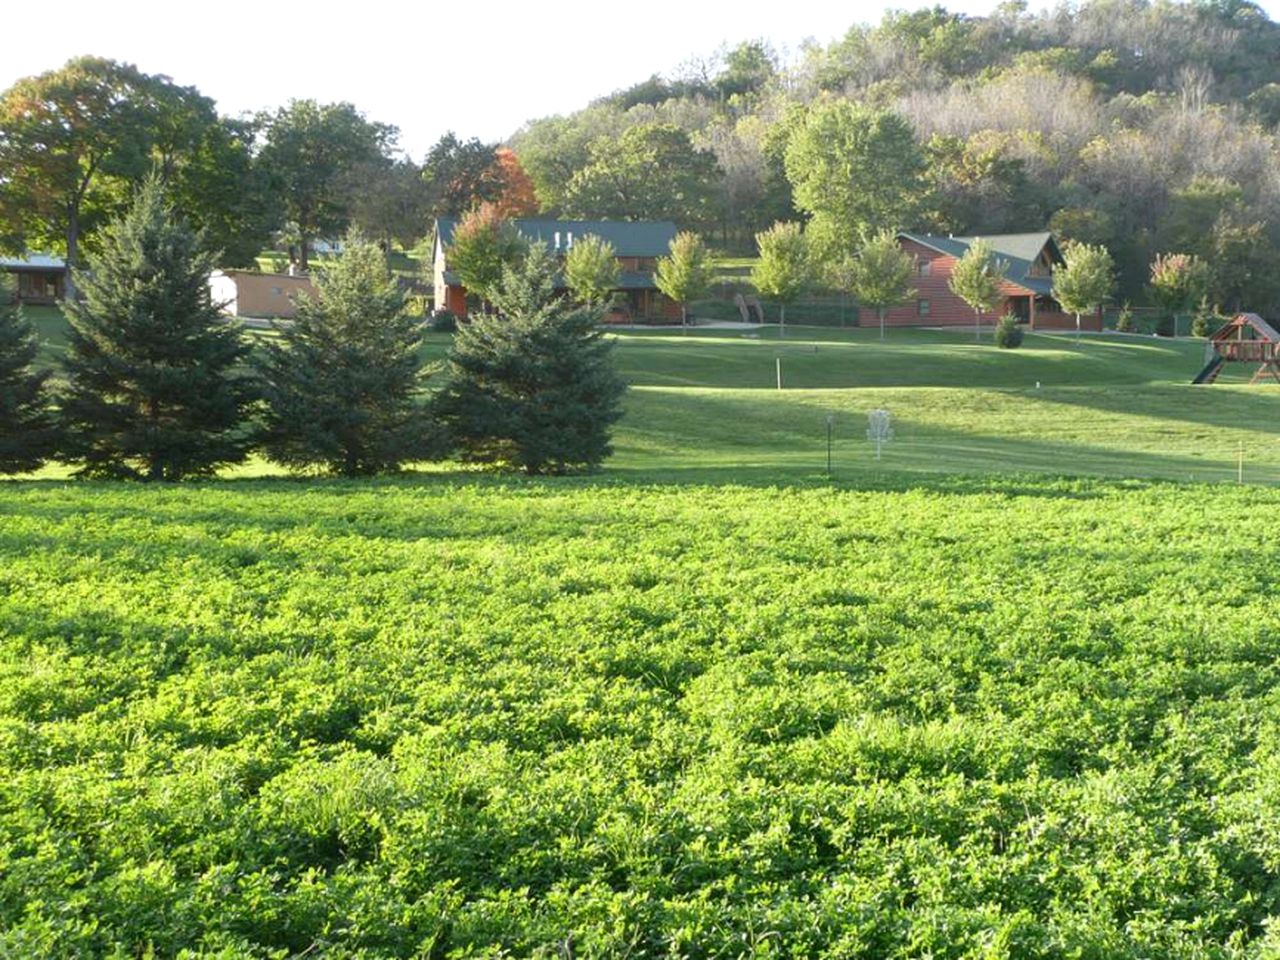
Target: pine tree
x=534, y=385
x=156, y=389
x=27, y=434
x=342, y=384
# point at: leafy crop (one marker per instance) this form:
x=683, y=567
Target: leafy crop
x=1023, y=718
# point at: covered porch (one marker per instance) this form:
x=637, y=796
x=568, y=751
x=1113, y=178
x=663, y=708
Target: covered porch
x=1041, y=312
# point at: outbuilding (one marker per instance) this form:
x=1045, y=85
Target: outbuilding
x=244, y=293
x=40, y=279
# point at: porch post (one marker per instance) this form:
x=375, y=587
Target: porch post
x=1032, y=298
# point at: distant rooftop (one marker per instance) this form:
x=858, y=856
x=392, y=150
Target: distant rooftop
x=630, y=238
x=1020, y=250
x=33, y=261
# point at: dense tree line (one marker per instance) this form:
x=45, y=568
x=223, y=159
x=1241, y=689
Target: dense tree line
x=76, y=141
x=1147, y=127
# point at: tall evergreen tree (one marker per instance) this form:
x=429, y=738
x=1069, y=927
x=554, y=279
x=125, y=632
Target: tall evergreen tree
x=342, y=384
x=156, y=389
x=533, y=385
x=26, y=428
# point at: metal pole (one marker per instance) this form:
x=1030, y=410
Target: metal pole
x=778, y=362
x=829, y=421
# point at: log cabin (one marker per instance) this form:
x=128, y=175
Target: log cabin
x=1027, y=290
x=637, y=245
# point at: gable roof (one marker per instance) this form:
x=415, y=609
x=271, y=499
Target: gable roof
x=1264, y=330
x=630, y=238
x=1019, y=250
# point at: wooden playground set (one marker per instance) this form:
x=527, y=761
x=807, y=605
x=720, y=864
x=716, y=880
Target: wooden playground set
x=1246, y=338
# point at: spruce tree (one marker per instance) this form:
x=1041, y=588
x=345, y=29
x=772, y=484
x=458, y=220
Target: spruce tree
x=532, y=386
x=342, y=384
x=156, y=387
x=27, y=435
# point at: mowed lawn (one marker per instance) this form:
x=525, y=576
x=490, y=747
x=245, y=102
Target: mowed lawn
x=704, y=406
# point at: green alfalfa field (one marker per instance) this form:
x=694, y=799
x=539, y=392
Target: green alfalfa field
x=1008, y=692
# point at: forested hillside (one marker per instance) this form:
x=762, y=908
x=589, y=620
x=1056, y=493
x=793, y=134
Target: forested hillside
x=1148, y=127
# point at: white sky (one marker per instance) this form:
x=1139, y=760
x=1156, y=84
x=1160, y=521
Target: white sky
x=478, y=68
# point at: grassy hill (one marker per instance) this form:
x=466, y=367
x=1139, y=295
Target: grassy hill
x=704, y=406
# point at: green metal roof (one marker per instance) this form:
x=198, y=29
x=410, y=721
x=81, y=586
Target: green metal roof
x=627, y=280
x=1019, y=250
x=33, y=261
x=640, y=238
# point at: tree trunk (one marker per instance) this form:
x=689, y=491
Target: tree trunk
x=73, y=251
x=782, y=320
x=684, y=320
x=304, y=249
x=881, y=312
x=977, y=325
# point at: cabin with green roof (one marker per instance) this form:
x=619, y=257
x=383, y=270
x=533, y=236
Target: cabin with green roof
x=1030, y=260
x=638, y=245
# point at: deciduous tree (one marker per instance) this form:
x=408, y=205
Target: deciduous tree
x=685, y=274
x=591, y=269
x=879, y=276
x=856, y=170
x=310, y=150
x=651, y=172
x=784, y=269
x=460, y=175
x=156, y=389
x=483, y=243
x=1178, y=281
x=342, y=383
x=976, y=280
x=1085, y=281
x=511, y=186
x=63, y=135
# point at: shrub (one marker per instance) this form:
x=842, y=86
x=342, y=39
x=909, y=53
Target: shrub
x=1165, y=325
x=1206, y=321
x=1008, y=333
x=1125, y=322
x=444, y=321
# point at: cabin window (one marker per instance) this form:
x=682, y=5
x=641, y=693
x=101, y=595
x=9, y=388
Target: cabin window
x=278, y=291
x=924, y=267
x=922, y=307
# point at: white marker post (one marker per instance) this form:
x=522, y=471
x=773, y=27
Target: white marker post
x=879, y=429
x=778, y=362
